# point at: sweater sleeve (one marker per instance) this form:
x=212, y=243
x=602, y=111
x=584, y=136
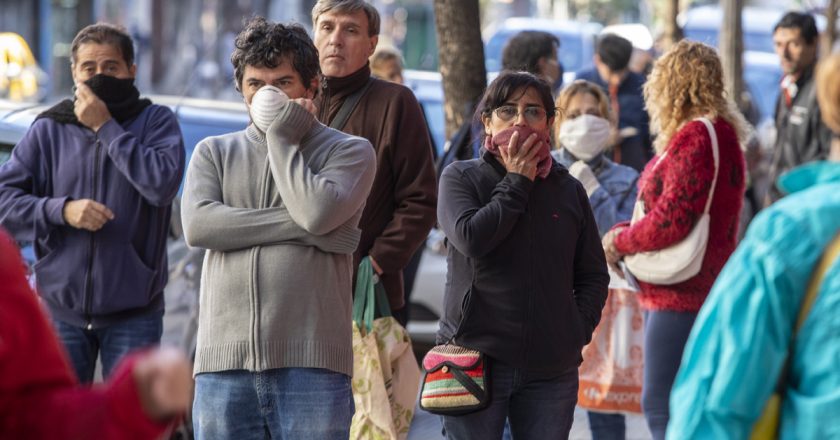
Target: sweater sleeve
x=685, y=177
x=210, y=224
x=26, y=211
x=614, y=203
x=155, y=164
x=475, y=228
x=415, y=186
x=323, y=201
x=39, y=396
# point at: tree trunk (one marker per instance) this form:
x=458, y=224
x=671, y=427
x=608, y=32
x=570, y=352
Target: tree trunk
x=461, y=59
x=673, y=32
x=731, y=45
x=831, y=27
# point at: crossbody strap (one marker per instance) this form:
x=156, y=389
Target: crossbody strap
x=349, y=105
x=715, y=155
x=829, y=256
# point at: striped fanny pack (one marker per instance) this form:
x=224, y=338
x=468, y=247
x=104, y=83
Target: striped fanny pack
x=455, y=381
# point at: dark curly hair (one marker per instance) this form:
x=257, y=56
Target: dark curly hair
x=266, y=44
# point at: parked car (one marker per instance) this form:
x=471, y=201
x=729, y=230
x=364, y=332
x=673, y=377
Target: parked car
x=703, y=23
x=577, y=42
x=428, y=89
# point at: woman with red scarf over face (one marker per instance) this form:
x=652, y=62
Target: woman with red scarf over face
x=526, y=277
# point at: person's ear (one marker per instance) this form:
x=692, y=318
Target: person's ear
x=374, y=40
x=132, y=70
x=313, y=88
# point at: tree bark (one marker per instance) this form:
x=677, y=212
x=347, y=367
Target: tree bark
x=461, y=59
x=673, y=33
x=731, y=45
x=831, y=26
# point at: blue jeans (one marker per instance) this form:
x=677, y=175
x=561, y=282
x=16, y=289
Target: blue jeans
x=284, y=403
x=112, y=343
x=538, y=406
x=666, y=333
x=606, y=426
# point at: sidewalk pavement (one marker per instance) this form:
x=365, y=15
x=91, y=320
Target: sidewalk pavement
x=427, y=426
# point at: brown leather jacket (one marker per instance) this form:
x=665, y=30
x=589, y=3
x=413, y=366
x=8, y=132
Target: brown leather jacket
x=400, y=209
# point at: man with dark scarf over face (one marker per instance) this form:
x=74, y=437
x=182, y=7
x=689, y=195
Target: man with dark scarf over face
x=91, y=184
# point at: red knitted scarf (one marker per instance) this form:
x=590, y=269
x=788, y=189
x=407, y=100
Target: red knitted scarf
x=502, y=139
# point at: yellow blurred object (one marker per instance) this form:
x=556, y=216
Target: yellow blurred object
x=18, y=69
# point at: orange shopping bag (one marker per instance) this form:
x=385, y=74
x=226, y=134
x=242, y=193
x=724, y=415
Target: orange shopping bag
x=611, y=372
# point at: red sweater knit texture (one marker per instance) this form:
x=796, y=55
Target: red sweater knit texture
x=675, y=194
x=39, y=395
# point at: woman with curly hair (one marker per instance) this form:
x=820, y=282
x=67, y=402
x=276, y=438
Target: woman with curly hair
x=686, y=84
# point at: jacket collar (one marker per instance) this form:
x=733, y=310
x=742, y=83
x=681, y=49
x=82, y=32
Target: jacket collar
x=346, y=85
x=812, y=174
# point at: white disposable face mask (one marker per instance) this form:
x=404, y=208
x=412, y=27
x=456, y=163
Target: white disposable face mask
x=265, y=105
x=585, y=136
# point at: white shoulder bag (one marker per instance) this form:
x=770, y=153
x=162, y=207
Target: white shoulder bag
x=682, y=260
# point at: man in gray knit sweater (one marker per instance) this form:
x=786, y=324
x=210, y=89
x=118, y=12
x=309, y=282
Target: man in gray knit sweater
x=277, y=207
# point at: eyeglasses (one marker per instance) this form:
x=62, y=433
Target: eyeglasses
x=508, y=113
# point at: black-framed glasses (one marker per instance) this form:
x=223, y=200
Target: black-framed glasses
x=532, y=114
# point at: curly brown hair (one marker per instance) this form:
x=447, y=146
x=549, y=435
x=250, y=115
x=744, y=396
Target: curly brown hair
x=687, y=83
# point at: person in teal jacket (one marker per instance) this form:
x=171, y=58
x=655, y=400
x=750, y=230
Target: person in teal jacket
x=741, y=338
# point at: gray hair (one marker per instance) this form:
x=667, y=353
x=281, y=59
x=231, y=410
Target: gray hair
x=348, y=7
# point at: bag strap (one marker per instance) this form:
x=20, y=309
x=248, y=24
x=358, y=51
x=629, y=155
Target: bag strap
x=349, y=105
x=368, y=297
x=716, y=154
x=829, y=256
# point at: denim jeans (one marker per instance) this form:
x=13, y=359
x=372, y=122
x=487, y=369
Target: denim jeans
x=666, y=333
x=538, y=406
x=111, y=343
x=606, y=426
x=285, y=403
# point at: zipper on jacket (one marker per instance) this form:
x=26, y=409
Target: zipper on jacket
x=526, y=335
x=324, y=110
x=92, y=247
x=254, y=271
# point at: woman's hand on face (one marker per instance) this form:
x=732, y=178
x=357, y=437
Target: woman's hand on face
x=522, y=158
x=611, y=252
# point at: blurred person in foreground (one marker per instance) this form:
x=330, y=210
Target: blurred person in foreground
x=277, y=206
x=400, y=209
x=743, y=334
x=40, y=397
x=686, y=83
x=91, y=183
x=526, y=277
x=801, y=135
x=624, y=88
x=584, y=129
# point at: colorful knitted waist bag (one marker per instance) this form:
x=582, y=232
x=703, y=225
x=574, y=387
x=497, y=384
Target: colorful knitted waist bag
x=455, y=381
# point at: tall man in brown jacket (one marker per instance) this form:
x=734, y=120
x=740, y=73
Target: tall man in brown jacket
x=400, y=209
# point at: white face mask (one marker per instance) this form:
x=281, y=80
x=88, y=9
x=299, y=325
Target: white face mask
x=585, y=136
x=265, y=105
